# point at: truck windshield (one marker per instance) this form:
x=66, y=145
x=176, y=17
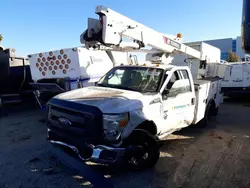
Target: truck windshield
x=141, y=79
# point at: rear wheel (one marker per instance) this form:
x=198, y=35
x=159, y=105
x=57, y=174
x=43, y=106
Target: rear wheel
x=142, y=151
x=215, y=111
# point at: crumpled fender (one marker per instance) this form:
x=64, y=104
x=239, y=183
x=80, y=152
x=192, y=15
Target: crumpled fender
x=136, y=118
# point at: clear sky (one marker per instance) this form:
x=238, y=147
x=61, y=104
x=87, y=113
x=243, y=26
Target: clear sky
x=32, y=26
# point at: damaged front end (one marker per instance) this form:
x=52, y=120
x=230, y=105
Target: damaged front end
x=81, y=129
x=99, y=154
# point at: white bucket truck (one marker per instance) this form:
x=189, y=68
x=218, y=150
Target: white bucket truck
x=121, y=118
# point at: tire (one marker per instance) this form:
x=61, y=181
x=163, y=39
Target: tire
x=145, y=152
x=215, y=111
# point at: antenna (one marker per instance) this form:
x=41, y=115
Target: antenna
x=1, y=37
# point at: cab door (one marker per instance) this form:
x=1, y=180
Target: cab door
x=187, y=96
x=178, y=99
x=170, y=99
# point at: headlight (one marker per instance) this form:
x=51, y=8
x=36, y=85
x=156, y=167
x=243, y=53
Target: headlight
x=113, y=125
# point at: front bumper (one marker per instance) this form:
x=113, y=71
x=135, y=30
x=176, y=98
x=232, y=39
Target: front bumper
x=87, y=152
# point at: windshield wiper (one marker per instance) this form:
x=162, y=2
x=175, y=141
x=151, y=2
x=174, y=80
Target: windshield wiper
x=102, y=85
x=148, y=91
x=117, y=87
x=126, y=88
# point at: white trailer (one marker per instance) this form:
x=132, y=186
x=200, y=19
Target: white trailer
x=67, y=69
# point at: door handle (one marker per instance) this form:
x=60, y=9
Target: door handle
x=165, y=114
x=192, y=101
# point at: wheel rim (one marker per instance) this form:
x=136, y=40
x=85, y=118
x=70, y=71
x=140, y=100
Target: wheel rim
x=138, y=161
x=141, y=158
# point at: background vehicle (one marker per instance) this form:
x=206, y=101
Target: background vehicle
x=132, y=106
x=245, y=27
x=14, y=77
x=235, y=77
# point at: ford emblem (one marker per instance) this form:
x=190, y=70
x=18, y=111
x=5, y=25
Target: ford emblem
x=64, y=122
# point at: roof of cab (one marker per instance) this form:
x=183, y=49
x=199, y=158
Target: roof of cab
x=151, y=65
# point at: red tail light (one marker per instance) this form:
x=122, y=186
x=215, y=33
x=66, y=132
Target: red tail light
x=79, y=85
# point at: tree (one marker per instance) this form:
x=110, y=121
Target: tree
x=1, y=38
x=232, y=57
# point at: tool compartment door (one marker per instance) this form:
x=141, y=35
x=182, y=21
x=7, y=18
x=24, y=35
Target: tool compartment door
x=201, y=93
x=237, y=76
x=246, y=75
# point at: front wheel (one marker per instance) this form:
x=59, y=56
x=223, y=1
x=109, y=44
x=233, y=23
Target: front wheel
x=142, y=151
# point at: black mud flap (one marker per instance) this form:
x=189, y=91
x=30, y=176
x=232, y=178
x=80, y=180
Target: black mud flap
x=82, y=169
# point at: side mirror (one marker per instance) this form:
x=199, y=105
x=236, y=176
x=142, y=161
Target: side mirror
x=165, y=92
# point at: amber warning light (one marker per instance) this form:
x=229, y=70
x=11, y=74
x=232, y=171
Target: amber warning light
x=53, y=63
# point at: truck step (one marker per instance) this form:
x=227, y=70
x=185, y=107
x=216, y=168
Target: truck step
x=11, y=98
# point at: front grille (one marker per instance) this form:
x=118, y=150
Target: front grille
x=78, y=120
x=85, y=121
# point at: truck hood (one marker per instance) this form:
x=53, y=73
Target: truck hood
x=108, y=100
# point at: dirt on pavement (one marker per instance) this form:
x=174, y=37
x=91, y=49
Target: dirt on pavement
x=215, y=156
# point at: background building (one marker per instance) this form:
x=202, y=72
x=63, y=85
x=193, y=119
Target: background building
x=227, y=44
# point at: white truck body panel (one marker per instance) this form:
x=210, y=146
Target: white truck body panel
x=205, y=91
x=210, y=53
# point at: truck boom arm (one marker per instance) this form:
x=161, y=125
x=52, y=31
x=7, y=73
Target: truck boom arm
x=109, y=31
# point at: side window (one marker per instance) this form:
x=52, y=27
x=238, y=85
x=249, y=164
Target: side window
x=185, y=74
x=115, y=78
x=181, y=82
x=172, y=92
x=172, y=80
x=186, y=84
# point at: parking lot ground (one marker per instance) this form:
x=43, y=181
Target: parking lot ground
x=215, y=156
